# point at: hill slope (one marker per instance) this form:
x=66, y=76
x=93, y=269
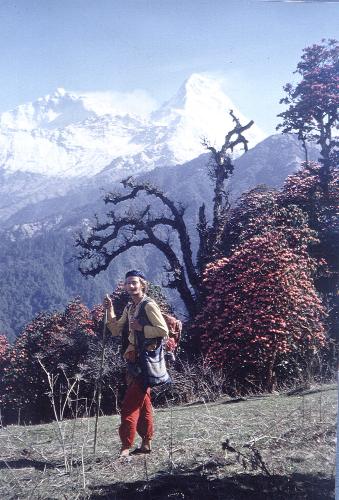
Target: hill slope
x=286, y=445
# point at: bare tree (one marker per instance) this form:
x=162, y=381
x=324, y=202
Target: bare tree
x=220, y=169
x=159, y=220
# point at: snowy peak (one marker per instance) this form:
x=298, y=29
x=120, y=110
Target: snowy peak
x=62, y=109
x=203, y=90
x=198, y=92
x=68, y=134
x=52, y=111
x=200, y=109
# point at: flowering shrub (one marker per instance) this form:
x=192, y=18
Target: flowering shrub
x=4, y=355
x=260, y=211
x=60, y=340
x=4, y=348
x=262, y=315
x=69, y=344
x=304, y=189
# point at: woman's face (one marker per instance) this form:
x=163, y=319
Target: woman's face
x=133, y=286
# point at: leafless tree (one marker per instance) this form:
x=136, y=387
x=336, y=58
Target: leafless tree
x=159, y=220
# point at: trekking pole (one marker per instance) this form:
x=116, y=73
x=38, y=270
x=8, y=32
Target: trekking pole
x=98, y=391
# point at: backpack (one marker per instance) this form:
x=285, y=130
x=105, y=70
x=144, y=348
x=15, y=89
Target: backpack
x=174, y=326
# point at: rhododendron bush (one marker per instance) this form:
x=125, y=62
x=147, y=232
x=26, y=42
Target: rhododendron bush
x=60, y=340
x=262, y=210
x=68, y=344
x=305, y=216
x=262, y=315
x=4, y=354
x=4, y=346
x=304, y=190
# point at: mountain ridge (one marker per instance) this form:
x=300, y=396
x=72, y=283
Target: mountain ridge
x=37, y=242
x=64, y=134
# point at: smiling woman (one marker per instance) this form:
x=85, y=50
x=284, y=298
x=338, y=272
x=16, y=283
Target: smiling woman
x=147, y=328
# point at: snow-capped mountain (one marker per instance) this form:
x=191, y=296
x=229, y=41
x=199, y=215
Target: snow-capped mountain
x=64, y=134
x=199, y=110
x=59, y=136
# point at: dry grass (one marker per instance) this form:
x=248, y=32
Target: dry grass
x=294, y=436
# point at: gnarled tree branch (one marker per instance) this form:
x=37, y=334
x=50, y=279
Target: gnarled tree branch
x=136, y=228
x=220, y=169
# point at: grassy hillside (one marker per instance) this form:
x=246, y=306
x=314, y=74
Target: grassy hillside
x=284, y=448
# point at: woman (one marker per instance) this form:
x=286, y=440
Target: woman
x=136, y=410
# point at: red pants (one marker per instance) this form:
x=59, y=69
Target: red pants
x=136, y=414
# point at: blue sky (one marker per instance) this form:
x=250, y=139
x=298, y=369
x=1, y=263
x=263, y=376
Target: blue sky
x=154, y=45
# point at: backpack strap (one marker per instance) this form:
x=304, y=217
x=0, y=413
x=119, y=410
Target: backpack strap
x=142, y=315
x=140, y=340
